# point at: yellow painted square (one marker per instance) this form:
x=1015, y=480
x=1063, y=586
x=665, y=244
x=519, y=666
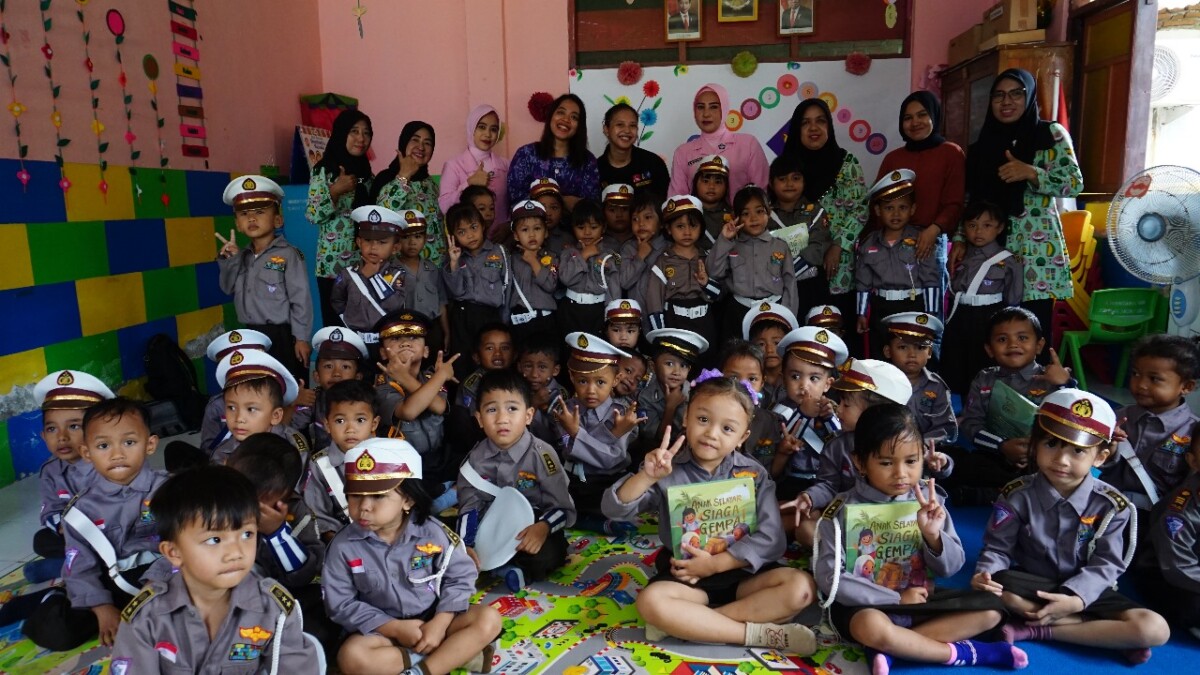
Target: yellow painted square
x=190, y=241
x=17, y=270
x=85, y=201
x=109, y=303
x=194, y=324
x=18, y=370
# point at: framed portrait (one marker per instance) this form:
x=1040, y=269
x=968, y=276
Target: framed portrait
x=795, y=17
x=737, y=10
x=682, y=20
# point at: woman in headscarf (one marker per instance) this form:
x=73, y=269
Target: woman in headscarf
x=1022, y=163
x=405, y=184
x=478, y=164
x=833, y=179
x=341, y=181
x=742, y=152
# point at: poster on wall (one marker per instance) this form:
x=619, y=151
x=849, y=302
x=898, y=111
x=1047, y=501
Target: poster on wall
x=864, y=107
x=682, y=20
x=795, y=17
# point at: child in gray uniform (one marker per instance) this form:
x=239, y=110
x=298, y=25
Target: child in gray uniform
x=206, y=519
x=397, y=579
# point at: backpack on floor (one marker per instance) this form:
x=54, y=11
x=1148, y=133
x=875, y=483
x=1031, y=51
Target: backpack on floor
x=170, y=376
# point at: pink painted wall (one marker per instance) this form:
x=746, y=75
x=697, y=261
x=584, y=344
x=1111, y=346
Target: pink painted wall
x=434, y=61
x=250, y=85
x=935, y=23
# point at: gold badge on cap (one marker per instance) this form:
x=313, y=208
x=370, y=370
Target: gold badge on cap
x=625, y=305
x=249, y=184
x=624, y=189
x=765, y=307
x=922, y=319
x=828, y=311
x=406, y=317
x=822, y=337
x=365, y=462
x=1082, y=408
x=582, y=342
x=235, y=337
x=670, y=206
x=236, y=359
x=410, y=216
x=66, y=379
x=896, y=175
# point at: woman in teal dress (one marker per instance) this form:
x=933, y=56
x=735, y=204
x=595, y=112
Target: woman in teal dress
x=406, y=184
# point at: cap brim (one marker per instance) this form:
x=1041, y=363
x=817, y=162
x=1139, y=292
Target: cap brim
x=361, y=486
x=1071, y=434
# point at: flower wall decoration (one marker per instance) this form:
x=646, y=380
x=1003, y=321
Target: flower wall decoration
x=116, y=26
x=16, y=107
x=55, y=90
x=94, y=87
x=647, y=116
x=539, y=106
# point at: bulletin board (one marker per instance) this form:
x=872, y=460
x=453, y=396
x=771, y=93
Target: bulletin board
x=607, y=32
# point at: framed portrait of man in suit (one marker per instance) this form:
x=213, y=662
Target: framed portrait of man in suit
x=795, y=17
x=682, y=20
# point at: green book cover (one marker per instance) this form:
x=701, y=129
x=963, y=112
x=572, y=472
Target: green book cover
x=1010, y=415
x=883, y=544
x=711, y=516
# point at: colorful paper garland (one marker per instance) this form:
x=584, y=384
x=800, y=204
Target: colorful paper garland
x=186, y=47
x=55, y=115
x=116, y=25
x=94, y=88
x=16, y=107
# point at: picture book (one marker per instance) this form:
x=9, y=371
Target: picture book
x=883, y=544
x=711, y=516
x=1010, y=415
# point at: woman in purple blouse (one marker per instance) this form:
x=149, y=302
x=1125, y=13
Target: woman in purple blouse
x=561, y=154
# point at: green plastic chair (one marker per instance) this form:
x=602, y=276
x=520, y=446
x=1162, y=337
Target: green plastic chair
x=1116, y=316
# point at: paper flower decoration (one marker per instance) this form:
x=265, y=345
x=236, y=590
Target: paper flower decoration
x=857, y=63
x=56, y=119
x=744, y=64
x=629, y=73
x=539, y=106
x=16, y=108
x=649, y=117
x=47, y=51
x=681, y=69
x=650, y=89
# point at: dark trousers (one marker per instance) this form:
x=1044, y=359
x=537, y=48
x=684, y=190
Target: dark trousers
x=1180, y=606
x=810, y=293
x=59, y=627
x=329, y=315
x=545, y=327
x=978, y=476
x=846, y=303
x=538, y=566
x=573, y=316
x=180, y=455
x=587, y=495
x=283, y=348
x=705, y=326
x=49, y=543
x=963, y=355
x=466, y=319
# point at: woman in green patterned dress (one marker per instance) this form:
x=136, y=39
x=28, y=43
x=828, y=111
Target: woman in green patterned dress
x=406, y=184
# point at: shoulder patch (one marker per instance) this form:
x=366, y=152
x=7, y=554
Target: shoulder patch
x=136, y=604
x=831, y=511
x=1012, y=487
x=551, y=466
x=319, y=454
x=300, y=442
x=284, y=599
x=455, y=540
x=70, y=504
x=1114, y=495
x=472, y=381
x=380, y=380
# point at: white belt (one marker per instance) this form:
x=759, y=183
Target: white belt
x=585, y=298
x=980, y=300
x=697, y=312
x=369, y=338
x=526, y=317
x=888, y=294
x=751, y=302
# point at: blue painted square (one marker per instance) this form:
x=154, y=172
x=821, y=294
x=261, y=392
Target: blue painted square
x=208, y=286
x=136, y=245
x=41, y=201
x=132, y=342
x=204, y=193
x=210, y=378
x=47, y=314
x=25, y=442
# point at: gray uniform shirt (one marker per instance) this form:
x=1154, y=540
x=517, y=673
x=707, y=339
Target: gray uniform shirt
x=482, y=277
x=930, y=405
x=598, y=275
x=355, y=308
x=318, y=493
x=122, y=512
x=879, y=266
x=672, y=281
x=837, y=473
x=813, y=433
x=423, y=289
x=756, y=267
x=1176, y=536
x=226, y=448
x=212, y=427
x=424, y=433
x=1005, y=277
x=293, y=553
x=1161, y=443
x=594, y=447
x=271, y=287
x=635, y=271
x=369, y=582
x=1026, y=381
x=765, y=545
x=1035, y=529
x=161, y=632
x=539, y=290
x=853, y=589
x=820, y=238
x=59, y=482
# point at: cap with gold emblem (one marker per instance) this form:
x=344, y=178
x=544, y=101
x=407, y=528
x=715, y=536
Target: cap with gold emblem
x=243, y=366
x=247, y=191
x=402, y=323
x=618, y=193
x=590, y=353
x=544, y=186
x=335, y=342
x=914, y=326
x=242, y=338
x=379, y=465
x=70, y=390
x=683, y=343
x=680, y=204
x=818, y=346
x=377, y=222
x=1077, y=417
x=769, y=312
x=827, y=316
x=527, y=208
x=713, y=164
x=880, y=377
x=897, y=184
x=623, y=311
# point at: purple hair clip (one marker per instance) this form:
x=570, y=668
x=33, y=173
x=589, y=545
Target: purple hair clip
x=755, y=396
x=707, y=374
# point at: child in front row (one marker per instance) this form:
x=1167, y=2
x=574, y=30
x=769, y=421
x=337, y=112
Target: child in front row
x=883, y=596
x=679, y=292
x=510, y=456
x=351, y=419
x=910, y=339
x=397, y=579
x=216, y=613
x=1059, y=539
x=493, y=350
x=1169, y=575
x=589, y=271
x=739, y=595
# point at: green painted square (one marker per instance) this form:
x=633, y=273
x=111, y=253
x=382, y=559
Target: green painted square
x=222, y=225
x=7, y=474
x=170, y=291
x=67, y=251
x=231, y=317
x=148, y=203
x=97, y=355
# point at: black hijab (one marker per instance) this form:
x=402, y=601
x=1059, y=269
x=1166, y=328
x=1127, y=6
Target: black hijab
x=1023, y=138
x=820, y=167
x=336, y=156
x=934, y=108
x=389, y=174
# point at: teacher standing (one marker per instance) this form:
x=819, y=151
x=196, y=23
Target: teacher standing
x=561, y=154
x=406, y=184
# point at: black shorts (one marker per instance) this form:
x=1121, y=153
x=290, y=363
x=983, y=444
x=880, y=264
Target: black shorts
x=943, y=601
x=1027, y=585
x=721, y=587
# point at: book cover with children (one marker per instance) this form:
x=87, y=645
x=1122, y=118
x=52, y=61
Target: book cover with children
x=711, y=516
x=883, y=544
x=1009, y=413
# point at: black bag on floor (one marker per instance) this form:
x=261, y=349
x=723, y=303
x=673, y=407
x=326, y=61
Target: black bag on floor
x=170, y=376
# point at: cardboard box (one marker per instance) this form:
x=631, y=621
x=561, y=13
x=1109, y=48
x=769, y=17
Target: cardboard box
x=1036, y=35
x=1009, y=16
x=965, y=45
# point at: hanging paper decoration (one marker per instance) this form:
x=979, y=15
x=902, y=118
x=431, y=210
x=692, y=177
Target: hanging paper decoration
x=94, y=86
x=55, y=114
x=359, y=10
x=150, y=67
x=186, y=46
x=890, y=14
x=116, y=26
x=15, y=107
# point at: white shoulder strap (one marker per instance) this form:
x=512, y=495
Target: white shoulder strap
x=521, y=294
x=334, y=480
x=101, y=545
x=504, y=255
x=1127, y=453
x=981, y=273
x=659, y=273
x=467, y=471
x=362, y=288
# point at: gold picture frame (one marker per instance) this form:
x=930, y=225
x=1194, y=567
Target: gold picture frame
x=682, y=20
x=731, y=11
